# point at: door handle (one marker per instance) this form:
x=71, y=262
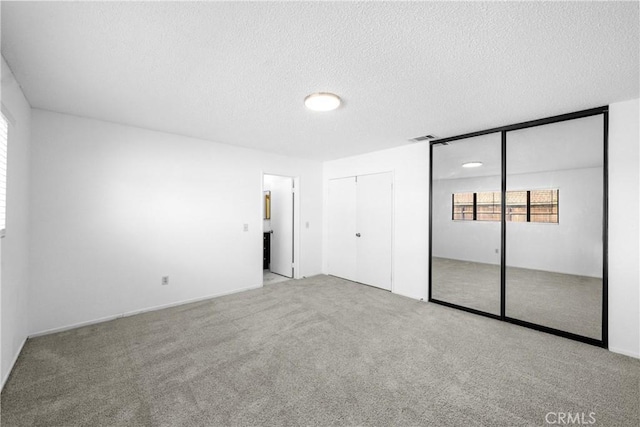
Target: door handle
x=357, y=234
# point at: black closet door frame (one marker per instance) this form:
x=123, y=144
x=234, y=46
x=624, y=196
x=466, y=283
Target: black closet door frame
x=503, y=130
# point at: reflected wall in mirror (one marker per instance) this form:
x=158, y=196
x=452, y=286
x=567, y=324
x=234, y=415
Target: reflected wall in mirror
x=554, y=234
x=267, y=205
x=466, y=228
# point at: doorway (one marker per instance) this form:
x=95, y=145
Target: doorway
x=278, y=228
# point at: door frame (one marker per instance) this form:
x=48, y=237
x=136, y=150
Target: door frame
x=296, y=220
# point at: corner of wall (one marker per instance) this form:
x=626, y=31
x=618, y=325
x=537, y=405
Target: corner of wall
x=14, y=258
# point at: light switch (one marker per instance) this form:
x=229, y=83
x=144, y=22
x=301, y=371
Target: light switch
x=245, y=227
x=306, y=224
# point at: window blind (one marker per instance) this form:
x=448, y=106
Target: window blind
x=4, y=130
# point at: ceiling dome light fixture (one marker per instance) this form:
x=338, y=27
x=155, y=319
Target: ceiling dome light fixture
x=472, y=164
x=322, y=101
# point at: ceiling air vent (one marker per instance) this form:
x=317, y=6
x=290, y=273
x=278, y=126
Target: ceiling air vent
x=422, y=138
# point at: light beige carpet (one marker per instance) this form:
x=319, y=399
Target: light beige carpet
x=269, y=278
x=314, y=352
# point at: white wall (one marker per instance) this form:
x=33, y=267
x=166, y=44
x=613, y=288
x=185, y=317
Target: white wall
x=115, y=208
x=624, y=185
x=14, y=246
x=410, y=165
x=573, y=246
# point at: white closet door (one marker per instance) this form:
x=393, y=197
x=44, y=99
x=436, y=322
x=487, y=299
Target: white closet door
x=374, y=226
x=342, y=228
x=282, y=226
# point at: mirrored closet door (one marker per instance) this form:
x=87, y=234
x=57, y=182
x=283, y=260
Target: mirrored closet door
x=518, y=224
x=554, y=218
x=465, y=262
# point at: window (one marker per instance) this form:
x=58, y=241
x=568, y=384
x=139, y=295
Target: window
x=516, y=206
x=521, y=206
x=488, y=206
x=543, y=206
x=463, y=204
x=4, y=129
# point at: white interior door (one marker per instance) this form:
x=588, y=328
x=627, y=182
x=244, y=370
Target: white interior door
x=374, y=213
x=282, y=225
x=342, y=228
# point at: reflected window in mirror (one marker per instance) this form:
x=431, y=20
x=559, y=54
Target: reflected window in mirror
x=488, y=206
x=543, y=206
x=517, y=206
x=463, y=206
x=521, y=206
x=532, y=206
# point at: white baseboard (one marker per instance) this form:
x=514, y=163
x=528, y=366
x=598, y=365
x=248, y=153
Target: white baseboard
x=624, y=352
x=75, y=326
x=189, y=301
x=134, y=312
x=13, y=363
x=408, y=296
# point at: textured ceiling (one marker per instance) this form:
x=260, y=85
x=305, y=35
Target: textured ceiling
x=237, y=73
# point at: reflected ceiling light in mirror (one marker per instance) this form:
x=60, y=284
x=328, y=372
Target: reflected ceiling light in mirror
x=472, y=165
x=322, y=101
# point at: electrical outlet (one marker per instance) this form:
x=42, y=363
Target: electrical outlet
x=165, y=280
